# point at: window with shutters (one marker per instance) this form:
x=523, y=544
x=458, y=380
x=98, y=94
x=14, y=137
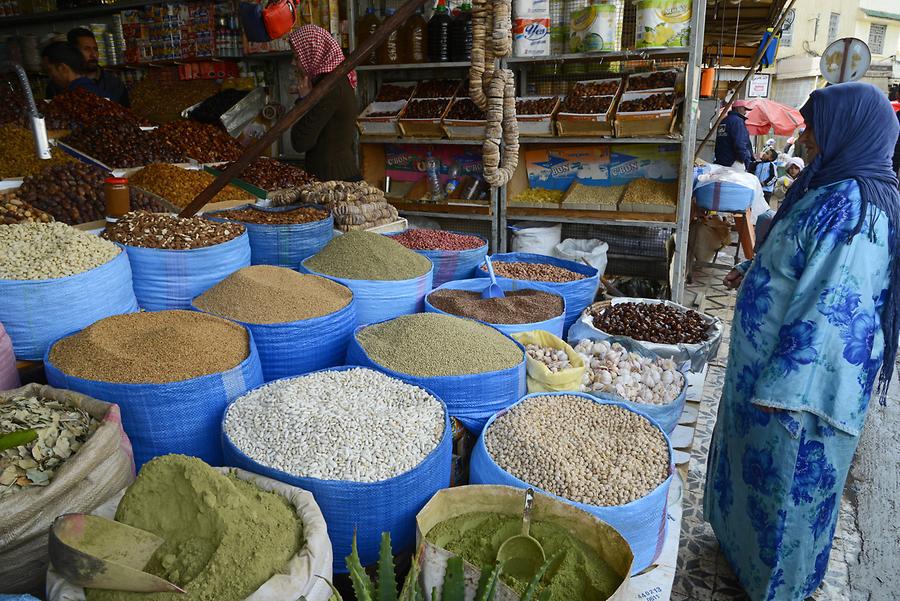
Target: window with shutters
x=876, y=38
x=833, y=24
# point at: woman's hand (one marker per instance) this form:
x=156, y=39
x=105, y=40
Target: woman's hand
x=733, y=279
x=304, y=86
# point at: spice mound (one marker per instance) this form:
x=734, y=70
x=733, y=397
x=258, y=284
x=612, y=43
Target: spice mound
x=580, y=450
x=367, y=256
x=224, y=537
x=652, y=322
x=537, y=272
x=580, y=573
x=43, y=251
x=180, y=186
x=437, y=240
x=431, y=344
x=633, y=377
x=159, y=230
x=518, y=306
x=157, y=347
x=342, y=425
x=254, y=215
x=268, y=294
x=59, y=431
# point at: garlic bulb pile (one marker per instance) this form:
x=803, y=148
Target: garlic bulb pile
x=554, y=359
x=633, y=377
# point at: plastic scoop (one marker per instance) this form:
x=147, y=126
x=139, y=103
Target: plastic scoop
x=522, y=555
x=94, y=552
x=494, y=290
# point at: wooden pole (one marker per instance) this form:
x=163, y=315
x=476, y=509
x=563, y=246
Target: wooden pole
x=318, y=92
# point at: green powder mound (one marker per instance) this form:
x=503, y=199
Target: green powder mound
x=431, y=344
x=366, y=256
x=224, y=537
x=579, y=574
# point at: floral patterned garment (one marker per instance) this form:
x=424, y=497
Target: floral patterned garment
x=806, y=339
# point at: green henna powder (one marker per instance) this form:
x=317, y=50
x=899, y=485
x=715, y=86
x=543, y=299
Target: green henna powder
x=224, y=537
x=578, y=575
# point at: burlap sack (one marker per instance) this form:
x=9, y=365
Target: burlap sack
x=100, y=468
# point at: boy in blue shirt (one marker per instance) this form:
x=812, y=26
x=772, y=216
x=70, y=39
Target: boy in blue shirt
x=766, y=173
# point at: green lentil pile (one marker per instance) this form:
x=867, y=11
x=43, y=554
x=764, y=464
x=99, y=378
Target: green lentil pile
x=518, y=306
x=366, y=256
x=269, y=294
x=431, y=344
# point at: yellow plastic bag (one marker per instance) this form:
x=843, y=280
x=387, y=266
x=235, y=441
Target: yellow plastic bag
x=540, y=378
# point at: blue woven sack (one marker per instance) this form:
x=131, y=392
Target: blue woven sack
x=367, y=508
x=171, y=279
x=553, y=325
x=723, y=196
x=36, y=313
x=642, y=522
x=452, y=265
x=284, y=245
x=472, y=398
x=175, y=417
x=579, y=293
x=378, y=300
x=298, y=347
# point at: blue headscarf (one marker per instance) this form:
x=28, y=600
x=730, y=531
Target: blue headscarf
x=856, y=131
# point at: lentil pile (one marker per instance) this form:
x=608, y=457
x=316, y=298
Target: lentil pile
x=431, y=344
x=536, y=272
x=180, y=186
x=651, y=322
x=17, y=154
x=268, y=294
x=518, y=306
x=158, y=230
x=337, y=425
x=43, y=251
x=121, y=144
x=14, y=210
x=437, y=240
x=254, y=215
x=153, y=347
x=270, y=174
x=580, y=450
x=366, y=256
x=633, y=377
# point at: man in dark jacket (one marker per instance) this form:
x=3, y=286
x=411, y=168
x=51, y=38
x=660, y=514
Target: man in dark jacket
x=107, y=82
x=732, y=139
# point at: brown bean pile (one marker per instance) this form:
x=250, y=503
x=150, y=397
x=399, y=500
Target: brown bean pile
x=652, y=322
x=393, y=93
x=270, y=174
x=654, y=102
x=518, y=306
x=466, y=110
x=180, y=186
x=152, y=347
x=600, y=88
x=252, y=215
x=80, y=107
x=437, y=88
x=119, y=144
x=17, y=153
x=536, y=272
x=425, y=109
x=155, y=230
x=586, y=105
x=539, y=106
x=13, y=210
x=653, y=81
x=161, y=102
x=199, y=141
x=269, y=294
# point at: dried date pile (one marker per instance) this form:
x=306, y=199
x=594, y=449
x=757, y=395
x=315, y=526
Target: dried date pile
x=120, y=144
x=586, y=105
x=538, y=106
x=654, y=102
x=253, y=215
x=652, y=322
x=652, y=81
x=155, y=230
x=270, y=174
x=596, y=88
x=13, y=210
x=384, y=113
x=425, y=109
x=437, y=88
x=163, y=101
x=199, y=141
x=465, y=110
x=393, y=93
x=80, y=107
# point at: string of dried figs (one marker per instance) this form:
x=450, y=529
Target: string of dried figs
x=654, y=102
x=651, y=322
x=596, y=88
x=586, y=105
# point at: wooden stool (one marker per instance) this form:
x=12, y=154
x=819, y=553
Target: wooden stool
x=742, y=224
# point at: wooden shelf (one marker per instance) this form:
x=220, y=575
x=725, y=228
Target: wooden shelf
x=70, y=14
x=592, y=217
x=410, y=66
x=638, y=54
x=441, y=209
x=398, y=140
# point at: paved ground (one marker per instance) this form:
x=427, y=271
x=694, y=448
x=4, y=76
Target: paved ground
x=865, y=560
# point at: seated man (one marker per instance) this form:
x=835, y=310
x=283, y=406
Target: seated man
x=65, y=66
x=106, y=81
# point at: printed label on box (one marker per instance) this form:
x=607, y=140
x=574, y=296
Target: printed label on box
x=557, y=168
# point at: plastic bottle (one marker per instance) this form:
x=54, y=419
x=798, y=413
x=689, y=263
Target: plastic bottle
x=436, y=192
x=461, y=35
x=414, y=39
x=439, y=34
x=389, y=52
x=365, y=27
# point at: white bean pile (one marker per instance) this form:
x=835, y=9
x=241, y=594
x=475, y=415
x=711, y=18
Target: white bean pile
x=633, y=377
x=580, y=450
x=356, y=425
x=43, y=251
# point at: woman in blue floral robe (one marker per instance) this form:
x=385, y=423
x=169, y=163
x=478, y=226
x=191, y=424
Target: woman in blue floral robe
x=816, y=316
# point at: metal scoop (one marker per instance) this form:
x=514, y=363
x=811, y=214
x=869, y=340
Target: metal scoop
x=522, y=555
x=94, y=552
x=494, y=290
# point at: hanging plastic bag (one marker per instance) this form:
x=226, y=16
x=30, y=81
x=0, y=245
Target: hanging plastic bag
x=540, y=378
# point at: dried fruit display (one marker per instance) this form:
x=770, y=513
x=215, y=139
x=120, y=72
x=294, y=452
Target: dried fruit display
x=464, y=109
x=425, y=109
x=651, y=322
x=155, y=230
x=655, y=102
x=656, y=80
x=437, y=88
x=121, y=144
x=586, y=105
x=270, y=174
x=164, y=101
x=538, y=106
x=14, y=210
x=255, y=215
x=180, y=186
x=17, y=153
x=384, y=113
x=199, y=141
x=80, y=107
x=596, y=88
x=392, y=93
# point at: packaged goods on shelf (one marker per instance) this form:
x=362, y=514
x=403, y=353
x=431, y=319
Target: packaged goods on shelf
x=531, y=35
x=597, y=27
x=663, y=23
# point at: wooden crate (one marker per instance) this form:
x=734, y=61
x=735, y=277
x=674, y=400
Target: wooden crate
x=538, y=126
x=423, y=128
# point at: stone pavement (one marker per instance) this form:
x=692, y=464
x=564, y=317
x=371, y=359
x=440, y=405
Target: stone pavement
x=866, y=554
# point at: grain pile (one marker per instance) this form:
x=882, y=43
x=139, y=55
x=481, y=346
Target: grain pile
x=157, y=230
x=268, y=294
x=154, y=347
x=43, y=251
x=367, y=256
x=517, y=306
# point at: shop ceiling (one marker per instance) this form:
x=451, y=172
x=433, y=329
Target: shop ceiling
x=734, y=29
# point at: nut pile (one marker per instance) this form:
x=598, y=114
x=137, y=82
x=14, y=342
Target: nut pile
x=354, y=205
x=270, y=174
x=586, y=105
x=120, y=144
x=537, y=272
x=368, y=256
x=606, y=197
x=17, y=154
x=425, y=109
x=393, y=93
x=580, y=450
x=152, y=347
x=355, y=425
x=164, y=231
x=538, y=106
x=656, y=80
x=633, y=377
x=555, y=359
x=464, y=109
x=651, y=322
x=517, y=306
x=538, y=195
x=180, y=186
x=80, y=107
x=61, y=430
x=655, y=102
x=255, y=215
x=199, y=141
x=436, y=88
x=596, y=88
x=13, y=210
x=420, y=239
x=163, y=101
x=43, y=251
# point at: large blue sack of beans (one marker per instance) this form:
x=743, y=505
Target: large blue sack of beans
x=642, y=522
x=366, y=508
x=282, y=244
x=452, y=265
x=554, y=325
x=173, y=417
x=578, y=293
x=171, y=279
x=36, y=313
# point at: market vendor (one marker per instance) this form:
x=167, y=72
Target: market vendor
x=108, y=83
x=733, y=147
x=66, y=67
x=817, y=316
x=327, y=132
